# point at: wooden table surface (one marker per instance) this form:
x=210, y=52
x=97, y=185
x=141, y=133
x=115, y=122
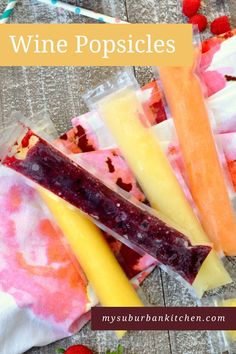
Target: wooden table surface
x=59, y=90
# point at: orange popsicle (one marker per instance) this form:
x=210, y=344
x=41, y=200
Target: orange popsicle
x=206, y=180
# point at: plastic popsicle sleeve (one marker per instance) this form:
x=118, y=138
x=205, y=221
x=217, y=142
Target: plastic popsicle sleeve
x=118, y=104
x=229, y=337
x=222, y=341
x=98, y=262
x=121, y=216
x=184, y=95
x=103, y=271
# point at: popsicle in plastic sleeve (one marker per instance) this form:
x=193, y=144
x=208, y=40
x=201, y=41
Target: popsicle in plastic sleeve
x=230, y=336
x=107, y=278
x=118, y=104
x=27, y=153
x=184, y=95
x=223, y=341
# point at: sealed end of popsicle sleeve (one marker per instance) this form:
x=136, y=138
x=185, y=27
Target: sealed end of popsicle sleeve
x=123, y=86
x=13, y=132
x=123, y=79
x=224, y=340
x=39, y=122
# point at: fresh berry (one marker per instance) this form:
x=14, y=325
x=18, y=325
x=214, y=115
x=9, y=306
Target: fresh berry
x=199, y=20
x=78, y=349
x=191, y=7
x=220, y=25
x=75, y=349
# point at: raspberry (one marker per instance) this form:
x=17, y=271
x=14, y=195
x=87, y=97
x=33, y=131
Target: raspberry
x=190, y=7
x=75, y=349
x=78, y=349
x=220, y=25
x=199, y=20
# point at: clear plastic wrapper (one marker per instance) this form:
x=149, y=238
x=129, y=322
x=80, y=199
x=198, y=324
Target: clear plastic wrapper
x=117, y=101
x=222, y=342
x=206, y=178
x=123, y=217
x=118, y=104
x=32, y=243
x=119, y=292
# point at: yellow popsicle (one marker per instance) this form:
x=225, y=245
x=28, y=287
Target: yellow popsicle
x=107, y=278
x=121, y=112
x=231, y=335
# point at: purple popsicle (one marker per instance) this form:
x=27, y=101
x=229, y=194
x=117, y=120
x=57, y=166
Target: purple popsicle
x=39, y=161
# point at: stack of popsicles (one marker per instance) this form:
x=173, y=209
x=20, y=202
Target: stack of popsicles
x=169, y=230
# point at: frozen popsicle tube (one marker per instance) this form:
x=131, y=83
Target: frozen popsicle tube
x=230, y=336
x=87, y=242
x=223, y=340
x=184, y=95
x=118, y=105
x=103, y=271
x=38, y=160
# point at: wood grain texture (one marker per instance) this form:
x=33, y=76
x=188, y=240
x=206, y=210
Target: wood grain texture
x=60, y=90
